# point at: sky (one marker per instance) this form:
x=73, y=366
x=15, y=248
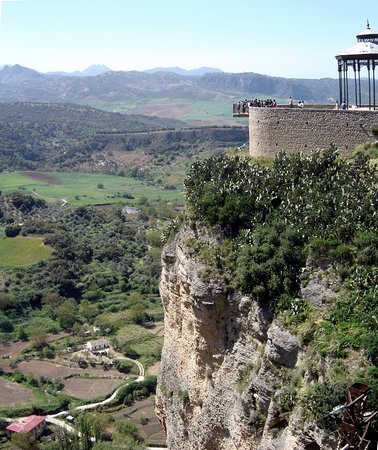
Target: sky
x=293, y=39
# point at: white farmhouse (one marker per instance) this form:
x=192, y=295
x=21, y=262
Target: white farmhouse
x=97, y=345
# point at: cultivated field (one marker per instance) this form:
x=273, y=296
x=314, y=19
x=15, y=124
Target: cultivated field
x=13, y=394
x=90, y=388
x=14, y=349
x=55, y=371
x=202, y=112
x=82, y=188
x=144, y=411
x=23, y=251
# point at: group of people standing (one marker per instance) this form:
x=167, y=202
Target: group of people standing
x=242, y=107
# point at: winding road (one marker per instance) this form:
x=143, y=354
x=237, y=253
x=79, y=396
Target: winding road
x=54, y=418
x=104, y=402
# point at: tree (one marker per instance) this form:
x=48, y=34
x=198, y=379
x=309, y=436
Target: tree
x=67, y=440
x=66, y=314
x=124, y=366
x=39, y=338
x=12, y=230
x=22, y=335
x=88, y=311
x=25, y=441
x=142, y=200
x=5, y=324
x=6, y=301
x=52, y=299
x=85, y=430
x=127, y=428
x=138, y=314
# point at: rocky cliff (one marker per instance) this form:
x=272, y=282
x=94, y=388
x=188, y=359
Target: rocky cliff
x=226, y=364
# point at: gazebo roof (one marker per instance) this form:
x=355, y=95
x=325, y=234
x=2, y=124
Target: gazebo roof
x=361, y=50
x=367, y=33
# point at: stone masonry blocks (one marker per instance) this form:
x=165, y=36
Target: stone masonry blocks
x=272, y=130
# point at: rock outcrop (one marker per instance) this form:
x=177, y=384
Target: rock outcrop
x=223, y=362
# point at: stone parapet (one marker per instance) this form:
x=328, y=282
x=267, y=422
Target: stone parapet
x=272, y=130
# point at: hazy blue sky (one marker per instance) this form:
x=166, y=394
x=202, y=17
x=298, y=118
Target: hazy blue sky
x=296, y=38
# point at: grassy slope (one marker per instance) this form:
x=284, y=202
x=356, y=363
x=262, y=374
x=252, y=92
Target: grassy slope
x=84, y=186
x=218, y=111
x=23, y=251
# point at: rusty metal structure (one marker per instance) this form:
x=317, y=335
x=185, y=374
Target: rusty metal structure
x=357, y=419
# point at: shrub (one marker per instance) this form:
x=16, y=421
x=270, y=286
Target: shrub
x=270, y=266
x=123, y=366
x=12, y=230
x=320, y=399
x=6, y=325
x=135, y=389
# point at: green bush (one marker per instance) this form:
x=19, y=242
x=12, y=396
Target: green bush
x=269, y=267
x=6, y=326
x=123, y=365
x=12, y=230
x=319, y=401
x=127, y=394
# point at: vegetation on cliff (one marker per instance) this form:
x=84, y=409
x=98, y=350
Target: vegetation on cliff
x=314, y=211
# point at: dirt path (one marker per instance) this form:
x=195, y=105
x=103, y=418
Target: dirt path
x=54, y=418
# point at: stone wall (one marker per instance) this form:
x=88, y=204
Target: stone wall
x=275, y=129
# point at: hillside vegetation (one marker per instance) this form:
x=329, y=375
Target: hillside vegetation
x=40, y=136
x=280, y=226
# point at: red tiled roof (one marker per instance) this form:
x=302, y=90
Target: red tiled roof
x=27, y=424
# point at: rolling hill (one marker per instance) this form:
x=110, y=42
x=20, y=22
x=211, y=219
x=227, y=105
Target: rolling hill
x=207, y=98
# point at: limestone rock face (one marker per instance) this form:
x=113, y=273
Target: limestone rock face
x=282, y=347
x=217, y=386
x=322, y=284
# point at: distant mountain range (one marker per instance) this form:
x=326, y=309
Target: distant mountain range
x=101, y=82
x=194, y=72
x=203, y=94
x=91, y=71
x=98, y=69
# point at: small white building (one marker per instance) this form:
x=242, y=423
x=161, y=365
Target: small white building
x=97, y=345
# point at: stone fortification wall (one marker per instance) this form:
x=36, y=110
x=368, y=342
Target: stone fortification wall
x=275, y=129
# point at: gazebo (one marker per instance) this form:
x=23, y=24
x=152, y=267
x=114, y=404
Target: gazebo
x=363, y=54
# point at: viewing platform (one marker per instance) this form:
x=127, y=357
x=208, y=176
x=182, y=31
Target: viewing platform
x=281, y=128
x=244, y=112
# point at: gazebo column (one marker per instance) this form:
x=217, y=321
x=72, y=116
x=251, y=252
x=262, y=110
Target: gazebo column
x=340, y=67
x=369, y=82
x=355, y=81
x=359, y=83
x=373, y=64
x=346, y=88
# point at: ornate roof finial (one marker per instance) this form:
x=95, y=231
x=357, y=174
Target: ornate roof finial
x=367, y=24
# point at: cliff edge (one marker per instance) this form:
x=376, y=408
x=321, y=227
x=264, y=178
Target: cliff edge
x=269, y=290
x=224, y=363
